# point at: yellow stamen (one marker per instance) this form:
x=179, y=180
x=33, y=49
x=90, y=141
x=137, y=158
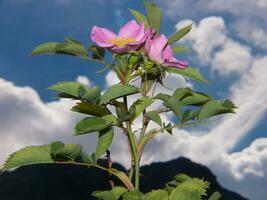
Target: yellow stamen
x=121, y=41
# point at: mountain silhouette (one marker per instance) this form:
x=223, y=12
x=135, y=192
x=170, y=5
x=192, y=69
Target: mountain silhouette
x=56, y=182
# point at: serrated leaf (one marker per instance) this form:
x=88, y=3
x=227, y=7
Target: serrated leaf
x=187, y=115
x=117, y=91
x=154, y=14
x=46, y=48
x=169, y=128
x=104, y=195
x=154, y=116
x=90, y=124
x=104, y=140
x=86, y=158
x=113, y=194
x=215, y=107
x=90, y=108
x=195, y=99
x=139, y=17
x=132, y=195
x=180, y=178
x=73, y=47
x=139, y=106
x=181, y=93
x=76, y=90
x=110, y=119
x=28, y=156
x=190, y=189
x=215, y=196
x=65, y=151
x=70, y=46
x=71, y=88
x=98, y=53
x=92, y=94
x=179, y=34
x=189, y=72
x=177, y=48
x=171, y=103
x=156, y=195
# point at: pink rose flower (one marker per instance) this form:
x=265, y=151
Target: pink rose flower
x=130, y=37
x=160, y=51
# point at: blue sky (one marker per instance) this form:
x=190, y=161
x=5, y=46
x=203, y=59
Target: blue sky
x=229, y=46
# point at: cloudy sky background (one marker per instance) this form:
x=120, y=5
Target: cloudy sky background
x=229, y=45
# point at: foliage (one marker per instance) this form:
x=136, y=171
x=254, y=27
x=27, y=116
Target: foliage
x=105, y=110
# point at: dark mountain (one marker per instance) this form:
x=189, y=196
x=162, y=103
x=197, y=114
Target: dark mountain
x=56, y=182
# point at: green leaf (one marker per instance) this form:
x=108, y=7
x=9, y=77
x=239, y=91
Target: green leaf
x=132, y=195
x=86, y=158
x=27, y=156
x=90, y=108
x=190, y=189
x=215, y=196
x=139, y=106
x=168, y=128
x=76, y=90
x=154, y=14
x=156, y=195
x=171, y=103
x=154, y=116
x=91, y=124
x=70, y=46
x=177, y=48
x=61, y=151
x=117, y=91
x=73, y=47
x=181, y=93
x=179, y=34
x=98, y=53
x=139, y=17
x=72, y=88
x=189, y=72
x=113, y=194
x=46, y=48
x=215, y=107
x=104, y=140
x=92, y=94
x=195, y=99
x=180, y=178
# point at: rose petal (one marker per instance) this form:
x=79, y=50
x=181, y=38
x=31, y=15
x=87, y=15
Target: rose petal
x=168, y=53
x=156, y=47
x=130, y=29
x=175, y=63
x=122, y=49
x=102, y=36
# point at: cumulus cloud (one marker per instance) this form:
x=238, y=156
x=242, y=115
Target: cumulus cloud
x=26, y=120
x=247, y=21
x=206, y=36
x=215, y=48
x=233, y=57
x=84, y=80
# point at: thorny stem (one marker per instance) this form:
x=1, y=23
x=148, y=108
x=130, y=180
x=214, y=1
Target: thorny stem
x=111, y=182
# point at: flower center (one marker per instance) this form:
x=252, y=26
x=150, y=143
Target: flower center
x=121, y=41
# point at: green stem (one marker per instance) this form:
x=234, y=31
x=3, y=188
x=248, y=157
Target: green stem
x=133, y=148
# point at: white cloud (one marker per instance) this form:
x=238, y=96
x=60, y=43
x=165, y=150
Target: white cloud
x=84, y=80
x=214, y=48
x=206, y=36
x=249, y=12
x=233, y=57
